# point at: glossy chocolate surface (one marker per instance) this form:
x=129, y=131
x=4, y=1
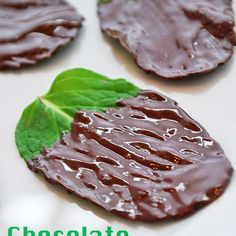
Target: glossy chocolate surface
x=173, y=39
x=33, y=30
x=146, y=160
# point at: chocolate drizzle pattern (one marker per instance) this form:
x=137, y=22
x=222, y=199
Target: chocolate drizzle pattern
x=32, y=30
x=173, y=39
x=145, y=160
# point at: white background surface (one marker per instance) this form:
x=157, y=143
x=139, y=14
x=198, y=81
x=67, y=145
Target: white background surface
x=26, y=200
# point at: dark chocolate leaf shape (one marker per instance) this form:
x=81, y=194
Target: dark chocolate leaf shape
x=32, y=30
x=133, y=152
x=173, y=39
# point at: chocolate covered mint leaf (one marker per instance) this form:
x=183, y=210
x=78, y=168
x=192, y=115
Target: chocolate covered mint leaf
x=43, y=121
x=129, y=159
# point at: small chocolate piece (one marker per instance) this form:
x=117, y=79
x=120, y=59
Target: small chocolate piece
x=173, y=39
x=32, y=30
x=146, y=160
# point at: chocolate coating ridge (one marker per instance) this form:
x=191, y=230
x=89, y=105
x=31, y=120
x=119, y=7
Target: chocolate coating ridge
x=146, y=160
x=173, y=39
x=32, y=30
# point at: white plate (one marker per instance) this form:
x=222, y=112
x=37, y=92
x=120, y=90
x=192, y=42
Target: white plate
x=25, y=200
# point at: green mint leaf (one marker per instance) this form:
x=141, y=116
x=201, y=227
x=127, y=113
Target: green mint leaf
x=43, y=121
x=104, y=1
